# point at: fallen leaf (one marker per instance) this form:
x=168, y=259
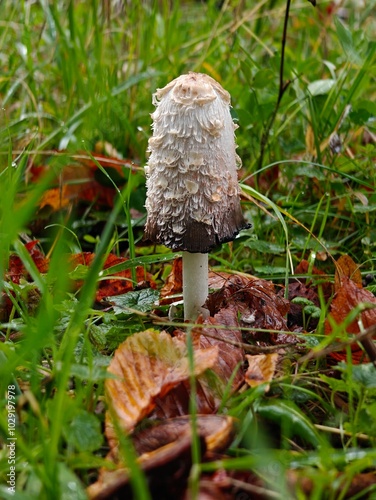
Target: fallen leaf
x=165, y=455
x=321, y=278
x=305, y=481
x=221, y=332
x=261, y=369
x=348, y=296
x=217, y=431
x=258, y=305
x=16, y=269
x=167, y=470
x=174, y=282
x=346, y=268
x=82, y=180
x=116, y=284
x=148, y=365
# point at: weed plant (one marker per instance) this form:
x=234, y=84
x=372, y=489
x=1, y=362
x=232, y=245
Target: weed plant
x=76, y=74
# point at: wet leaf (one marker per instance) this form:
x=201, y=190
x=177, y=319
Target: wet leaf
x=346, y=268
x=212, y=385
x=167, y=470
x=16, y=269
x=174, y=282
x=261, y=369
x=117, y=284
x=347, y=298
x=165, y=453
x=148, y=365
x=257, y=304
x=141, y=300
x=216, y=429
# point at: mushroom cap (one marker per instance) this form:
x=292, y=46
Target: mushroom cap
x=193, y=196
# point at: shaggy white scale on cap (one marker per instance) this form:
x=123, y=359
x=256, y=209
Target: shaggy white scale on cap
x=193, y=201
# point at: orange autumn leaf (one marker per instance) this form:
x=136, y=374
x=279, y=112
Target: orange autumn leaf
x=261, y=369
x=349, y=296
x=118, y=283
x=16, y=269
x=146, y=366
x=174, y=282
x=82, y=180
x=346, y=268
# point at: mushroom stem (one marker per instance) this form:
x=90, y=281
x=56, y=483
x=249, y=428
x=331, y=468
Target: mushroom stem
x=195, y=284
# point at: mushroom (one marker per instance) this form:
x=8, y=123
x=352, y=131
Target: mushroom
x=193, y=196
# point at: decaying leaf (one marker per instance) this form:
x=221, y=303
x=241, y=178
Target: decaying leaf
x=261, y=369
x=82, y=180
x=174, y=282
x=349, y=296
x=346, y=268
x=257, y=304
x=116, y=284
x=221, y=332
x=16, y=269
x=167, y=470
x=216, y=429
x=165, y=456
x=148, y=365
x=16, y=272
x=305, y=482
x=321, y=278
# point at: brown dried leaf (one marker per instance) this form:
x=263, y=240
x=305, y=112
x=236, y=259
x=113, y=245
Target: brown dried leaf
x=210, y=386
x=216, y=429
x=82, y=180
x=256, y=302
x=348, y=296
x=167, y=470
x=165, y=456
x=116, y=284
x=148, y=365
x=261, y=369
x=346, y=268
x=304, y=267
x=16, y=269
x=174, y=282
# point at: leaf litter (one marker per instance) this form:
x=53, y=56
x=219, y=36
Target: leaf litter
x=150, y=374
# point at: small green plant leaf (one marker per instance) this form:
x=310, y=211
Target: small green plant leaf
x=84, y=432
x=335, y=384
x=321, y=87
x=365, y=375
x=302, y=301
x=141, y=300
x=79, y=272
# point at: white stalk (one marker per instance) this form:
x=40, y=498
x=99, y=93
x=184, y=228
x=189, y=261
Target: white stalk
x=195, y=284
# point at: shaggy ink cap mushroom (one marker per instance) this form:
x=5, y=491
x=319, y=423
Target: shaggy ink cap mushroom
x=193, y=196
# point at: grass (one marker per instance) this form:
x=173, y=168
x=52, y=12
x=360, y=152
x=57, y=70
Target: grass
x=79, y=74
